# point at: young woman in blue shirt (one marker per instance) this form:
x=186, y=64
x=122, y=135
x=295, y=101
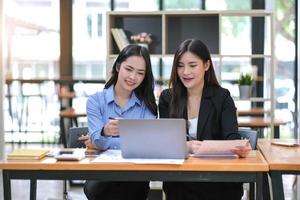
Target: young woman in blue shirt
x=196, y=96
x=127, y=94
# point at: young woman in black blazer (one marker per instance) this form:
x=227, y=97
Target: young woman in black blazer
x=195, y=95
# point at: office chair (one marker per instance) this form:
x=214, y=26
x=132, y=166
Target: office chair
x=72, y=142
x=73, y=135
x=251, y=135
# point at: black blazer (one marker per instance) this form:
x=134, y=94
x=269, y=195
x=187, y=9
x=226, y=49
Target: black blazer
x=216, y=121
x=217, y=115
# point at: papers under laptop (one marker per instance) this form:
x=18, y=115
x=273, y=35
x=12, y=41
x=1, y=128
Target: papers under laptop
x=115, y=156
x=153, y=141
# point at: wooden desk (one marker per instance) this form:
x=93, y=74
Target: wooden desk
x=66, y=95
x=253, y=111
x=248, y=169
x=66, y=99
x=281, y=160
x=260, y=122
x=66, y=80
x=71, y=113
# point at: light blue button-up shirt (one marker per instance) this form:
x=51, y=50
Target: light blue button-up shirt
x=101, y=106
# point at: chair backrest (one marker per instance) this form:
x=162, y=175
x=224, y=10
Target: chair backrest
x=249, y=134
x=73, y=135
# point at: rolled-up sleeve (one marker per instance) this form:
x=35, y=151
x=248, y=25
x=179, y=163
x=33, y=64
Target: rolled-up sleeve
x=95, y=124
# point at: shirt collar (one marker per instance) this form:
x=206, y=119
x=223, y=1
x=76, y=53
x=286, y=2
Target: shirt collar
x=110, y=97
x=134, y=99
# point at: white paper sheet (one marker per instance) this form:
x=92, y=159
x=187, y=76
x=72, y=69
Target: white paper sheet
x=71, y=154
x=219, y=148
x=115, y=156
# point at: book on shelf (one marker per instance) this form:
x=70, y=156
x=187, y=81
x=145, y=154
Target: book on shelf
x=123, y=36
x=27, y=154
x=120, y=37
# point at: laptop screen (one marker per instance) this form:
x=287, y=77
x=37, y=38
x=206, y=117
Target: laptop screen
x=153, y=138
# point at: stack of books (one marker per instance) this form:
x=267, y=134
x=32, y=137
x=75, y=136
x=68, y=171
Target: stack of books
x=27, y=154
x=120, y=37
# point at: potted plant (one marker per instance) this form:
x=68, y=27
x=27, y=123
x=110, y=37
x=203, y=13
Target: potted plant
x=245, y=86
x=142, y=39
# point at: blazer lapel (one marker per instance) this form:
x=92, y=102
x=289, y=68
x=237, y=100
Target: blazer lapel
x=205, y=110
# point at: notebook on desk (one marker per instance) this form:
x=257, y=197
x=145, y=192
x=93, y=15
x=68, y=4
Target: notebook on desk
x=153, y=138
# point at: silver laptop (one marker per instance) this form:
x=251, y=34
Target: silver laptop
x=153, y=138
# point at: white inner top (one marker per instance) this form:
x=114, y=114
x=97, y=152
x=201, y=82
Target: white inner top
x=193, y=123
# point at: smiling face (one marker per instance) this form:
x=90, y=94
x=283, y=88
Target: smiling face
x=191, y=70
x=131, y=73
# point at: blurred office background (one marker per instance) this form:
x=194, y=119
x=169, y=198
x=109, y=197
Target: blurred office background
x=32, y=50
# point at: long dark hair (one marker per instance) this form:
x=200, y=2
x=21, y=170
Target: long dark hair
x=178, y=106
x=145, y=91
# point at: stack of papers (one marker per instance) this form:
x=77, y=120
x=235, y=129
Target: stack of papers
x=27, y=154
x=219, y=148
x=115, y=156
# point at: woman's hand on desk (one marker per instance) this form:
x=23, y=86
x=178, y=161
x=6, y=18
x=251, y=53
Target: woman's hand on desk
x=193, y=145
x=242, y=151
x=87, y=141
x=111, y=128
